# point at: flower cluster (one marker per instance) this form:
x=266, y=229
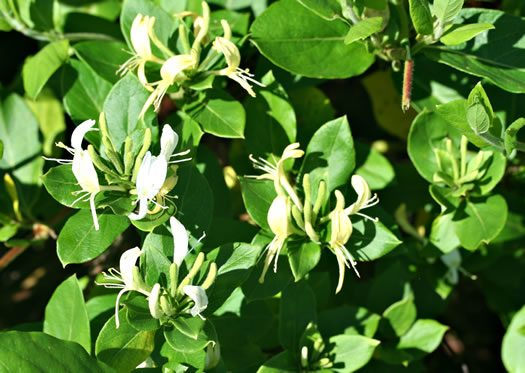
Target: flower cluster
x=164, y=303
x=178, y=68
x=145, y=177
x=289, y=215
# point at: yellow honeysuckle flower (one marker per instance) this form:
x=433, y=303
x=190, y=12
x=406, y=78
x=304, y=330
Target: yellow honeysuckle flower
x=170, y=73
x=279, y=221
x=233, y=59
x=141, y=28
x=277, y=174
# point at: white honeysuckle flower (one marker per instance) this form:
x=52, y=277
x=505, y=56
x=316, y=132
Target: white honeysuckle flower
x=123, y=278
x=153, y=302
x=279, y=221
x=168, y=142
x=87, y=178
x=170, y=72
x=277, y=174
x=82, y=167
x=233, y=59
x=341, y=232
x=141, y=27
x=150, y=179
x=180, y=241
x=199, y=297
x=364, y=198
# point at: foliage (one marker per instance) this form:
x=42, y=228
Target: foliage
x=262, y=221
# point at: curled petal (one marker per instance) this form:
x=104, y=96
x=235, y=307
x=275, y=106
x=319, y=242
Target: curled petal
x=79, y=133
x=198, y=295
x=127, y=262
x=363, y=194
x=143, y=210
x=153, y=302
x=180, y=241
x=168, y=142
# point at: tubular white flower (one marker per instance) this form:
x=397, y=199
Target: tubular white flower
x=153, y=302
x=124, y=278
x=233, y=60
x=168, y=143
x=82, y=167
x=199, y=297
x=170, y=72
x=86, y=176
x=180, y=241
x=150, y=178
x=279, y=222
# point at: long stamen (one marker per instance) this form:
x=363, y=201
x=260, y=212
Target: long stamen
x=350, y=259
x=79, y=198
x=376, y=219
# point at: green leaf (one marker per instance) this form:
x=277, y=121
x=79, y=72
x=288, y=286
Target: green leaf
x=480, y=115
x=122, y=107
x=458, y=34
x=363, y=29
x=26, y=352
x=195, y=200
x=270, y=119
x=22, y=148
x=327, y=9
x=104, y=57
x=38, y=69
x=455, y=113
x=421, y=16
x=348, y=320
x=8, y=231
x=280, y=363
x=257, y=195
x=447, y=10
x=125, y=347
x=48, y=110
x=398, y=317
x=303, y=257
x=374, y=167
x=425, y=335
x=351, y=352
x=370, y=240
x=298, y=309
x=79, y=242
x=494, y=165
x=513, y=346
x=495, y=56
x=235, y=262
x=330, y=156
x=510, y=134
x=83, y=91
x=157, y=246
x=66, y=314
x=427, y=133
x=298, y=43
x=480, y=220
x=440, y=234
x=189, y=326
x=37, y=14
x=221, y=115
x=61, y=184
x=182, y=343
